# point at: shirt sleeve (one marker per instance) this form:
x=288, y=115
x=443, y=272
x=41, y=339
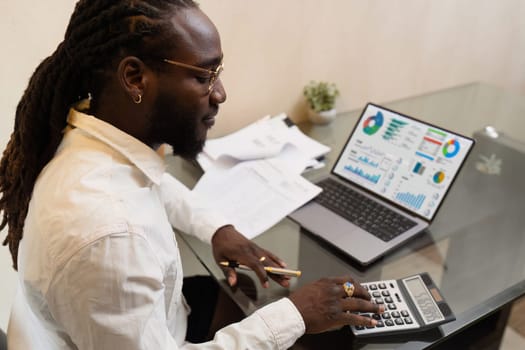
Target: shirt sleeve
x=110, y=295
x=276, y=326
x=187, y=211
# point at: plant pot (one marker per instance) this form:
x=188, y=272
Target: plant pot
x=323, y=117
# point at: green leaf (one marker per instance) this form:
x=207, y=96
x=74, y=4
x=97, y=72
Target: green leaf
x=321, y=95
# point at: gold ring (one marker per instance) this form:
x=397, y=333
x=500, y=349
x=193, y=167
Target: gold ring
x=349, y=289
x=262, y=258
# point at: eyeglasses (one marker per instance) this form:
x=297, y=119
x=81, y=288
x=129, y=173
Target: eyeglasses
x=213, y=74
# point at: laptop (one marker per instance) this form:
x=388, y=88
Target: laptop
x=489, y=186
x=387, y=184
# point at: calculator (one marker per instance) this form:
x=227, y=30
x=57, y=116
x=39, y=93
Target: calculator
x=412, y=304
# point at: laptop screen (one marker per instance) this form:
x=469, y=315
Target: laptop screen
x=406, y=161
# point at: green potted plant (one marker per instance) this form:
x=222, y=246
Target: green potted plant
x=321, y=98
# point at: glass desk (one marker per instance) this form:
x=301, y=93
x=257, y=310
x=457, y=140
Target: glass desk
x=474, y=252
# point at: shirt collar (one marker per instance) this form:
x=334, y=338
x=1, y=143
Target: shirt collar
x=141, y=155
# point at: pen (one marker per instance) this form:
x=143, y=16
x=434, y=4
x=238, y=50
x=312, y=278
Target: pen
x=269, y=269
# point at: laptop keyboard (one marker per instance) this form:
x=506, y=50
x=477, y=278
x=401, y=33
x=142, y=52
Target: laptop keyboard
x=364, y=212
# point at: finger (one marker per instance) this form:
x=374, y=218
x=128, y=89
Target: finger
x=258, y=267
x=275, y=259
x=358, y=320
x=359, y=290
x=281, y=279
x=231, y=275
x=361, y=305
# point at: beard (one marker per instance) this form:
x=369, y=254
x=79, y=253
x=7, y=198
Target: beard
x=182, y=130
x=184, y=140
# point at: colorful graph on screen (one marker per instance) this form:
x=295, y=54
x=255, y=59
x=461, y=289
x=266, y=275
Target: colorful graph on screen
x=368, y=161
x=410, y=199
x=430, y=144
x=374, y=178
x=373, y=124
x=419, y=168
x=393, y=129
x=438, y=177
x=406, y=161
x=451, y=148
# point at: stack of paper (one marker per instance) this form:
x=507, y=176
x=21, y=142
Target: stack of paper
x=253, y=176
x=277, y=138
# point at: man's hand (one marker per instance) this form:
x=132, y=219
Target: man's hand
x=230, y=245
x=325, y=305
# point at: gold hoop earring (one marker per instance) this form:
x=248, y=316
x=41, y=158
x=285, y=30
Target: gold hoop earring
x=138, y=99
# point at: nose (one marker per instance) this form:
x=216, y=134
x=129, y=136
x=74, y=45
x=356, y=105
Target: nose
x=218, y=93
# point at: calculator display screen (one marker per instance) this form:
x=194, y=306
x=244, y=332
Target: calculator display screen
x=424, y=302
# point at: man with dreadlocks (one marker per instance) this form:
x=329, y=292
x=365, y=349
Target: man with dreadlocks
x=90, y=208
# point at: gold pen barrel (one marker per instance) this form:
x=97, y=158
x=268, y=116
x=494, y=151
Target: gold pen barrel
x=280, y=271
x=269, y=269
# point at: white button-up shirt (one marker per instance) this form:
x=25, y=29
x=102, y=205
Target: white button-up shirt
x=99, y=265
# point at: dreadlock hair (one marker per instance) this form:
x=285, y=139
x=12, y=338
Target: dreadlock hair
x=99, y=33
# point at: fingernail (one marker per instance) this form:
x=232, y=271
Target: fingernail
x=266, y=284
x=374, y=322
x=381, y=308
x=231, y=281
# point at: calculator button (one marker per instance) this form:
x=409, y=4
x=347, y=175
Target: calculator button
x=399, y=321
x=372, y=287
x=392, y=306
x=404, y=313
x=376, y=294
x=382, y=285
x=359, y=328
x=386, y=315
x=389, y=300
x=389, y=323
x=380, y=324
x=379, y=301
x=395, y=314
x=408, y=320
x=365, y=286
x=376, y=317
x=385, y=293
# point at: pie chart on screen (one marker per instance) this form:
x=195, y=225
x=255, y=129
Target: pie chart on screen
x=373, y=124
x=451, y=148
x=439, y=177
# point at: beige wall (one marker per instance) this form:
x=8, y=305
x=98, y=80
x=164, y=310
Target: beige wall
x=375, y=50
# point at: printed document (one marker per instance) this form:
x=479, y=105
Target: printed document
x=253, y=176
x=266, y=138
x=255, y=195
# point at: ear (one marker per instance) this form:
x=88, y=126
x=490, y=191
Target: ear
x=133, y=77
